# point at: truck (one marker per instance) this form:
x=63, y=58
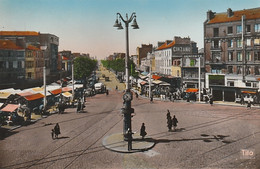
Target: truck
x=99, y=87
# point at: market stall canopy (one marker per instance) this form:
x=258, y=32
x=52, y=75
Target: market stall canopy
x=156, y=77
x=56, y=91
x=25, y=93
x=34, y=96
x=67, y=94
x=66, y=89
x=190, y=90
x=164, y=84
x=157, y=81
x=4, y=95
x=143, y=83
x=144, y=73
x=10, y=108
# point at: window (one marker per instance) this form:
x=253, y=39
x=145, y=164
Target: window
x=230, y=43
x=216, y=57
x=216, y=32
x=257, y=41
x=230, y=56
x=230, y=69
x=15, y=64
x=215, y=44
x=29, y=75
x=248, y=28
x=248, y=56
x=257, y=56
x=19, y=64
x=2, y=64
x=230, y=30
x=248, y=70
x=239, y=69
x=239, y=29
x=248, y=42
x=248, y=84
x=257, y=27
x=239, y=43
x=10, y=64
x=192, y=62
x=230, y=83
x=257, y=70
x=239, y=57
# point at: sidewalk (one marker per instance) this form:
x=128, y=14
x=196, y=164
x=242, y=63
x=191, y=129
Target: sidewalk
x=115, y=142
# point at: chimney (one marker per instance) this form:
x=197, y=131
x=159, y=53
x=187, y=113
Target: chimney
x=160, y=43
x=210, y=15
x=230, y=13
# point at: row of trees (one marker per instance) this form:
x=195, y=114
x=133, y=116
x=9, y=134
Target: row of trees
x=83, y=67
x=118, y=65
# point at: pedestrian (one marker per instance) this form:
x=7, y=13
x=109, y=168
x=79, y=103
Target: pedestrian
x=52, y=133
x=57, y=130
x=168, y=115
x=129, y=138
x=211, y=100
x=169, y=123
x=142, y=131
x=136, y=95
x=107, y=92
x=249, y=104
x=151, y=99
x=116, y=87
x=78, y=106
x=174, y=122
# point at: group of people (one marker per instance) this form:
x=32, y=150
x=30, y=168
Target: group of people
x=171, y=122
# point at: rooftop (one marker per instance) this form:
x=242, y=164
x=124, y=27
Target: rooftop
x=236, y=16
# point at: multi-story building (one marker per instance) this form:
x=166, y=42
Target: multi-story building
x=190, y=65
x=47, y=42
x=12, y=62
x=168, y=55
x=232, y=52
x=142, y=51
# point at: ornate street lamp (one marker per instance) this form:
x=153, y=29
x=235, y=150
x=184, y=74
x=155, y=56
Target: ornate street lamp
x=127, y=110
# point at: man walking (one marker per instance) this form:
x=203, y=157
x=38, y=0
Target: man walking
x=174, y=122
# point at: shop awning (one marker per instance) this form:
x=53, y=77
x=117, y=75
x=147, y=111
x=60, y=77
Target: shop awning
x=67, y=94
x=56, y=91
x=189, y=90
x=10, y=107
x=4, y=95
x=34, y=97
x=249, y=92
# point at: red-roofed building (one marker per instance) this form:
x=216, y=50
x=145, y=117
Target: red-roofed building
x=232, y=51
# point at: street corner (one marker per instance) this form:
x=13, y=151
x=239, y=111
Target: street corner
x=115, y=142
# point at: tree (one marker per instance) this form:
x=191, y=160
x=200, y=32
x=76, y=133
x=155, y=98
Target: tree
x=83, y=66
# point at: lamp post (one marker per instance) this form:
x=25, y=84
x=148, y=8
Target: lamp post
x=127, y=97
x=43, y=48
x=72, y=74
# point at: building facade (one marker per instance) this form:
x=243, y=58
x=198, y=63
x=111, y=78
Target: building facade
x=169, y=54
x=142, y=51
x=232, y=52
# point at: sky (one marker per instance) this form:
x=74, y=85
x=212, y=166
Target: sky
x=86, y=26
